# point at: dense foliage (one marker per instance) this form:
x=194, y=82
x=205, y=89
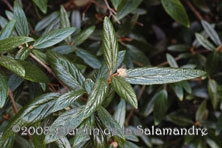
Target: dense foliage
x=117, y=73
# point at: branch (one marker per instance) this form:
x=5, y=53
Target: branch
x=8, y=4
x=11, y=96
x=198, y=15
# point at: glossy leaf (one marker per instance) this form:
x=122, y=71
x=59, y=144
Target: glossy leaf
x=12, y=65
x=178, y=48
x=40, y=55
x=35, y=111
x=178, y=89
x=186, y=86
x=34, y=73
x=124, y=90
x=7, y=30
x=110, y=44
x=175, y=9
x=88, y=85
x=88, y=58
x=46, y=21
x=83, y=35
x=177, y=119
x=42, y=4
x=96, y=97
x=211, y=32
x=13, y=42
x=126, y=7
x=23, y=53
x=121, y=56
x=155, y=75
x=67, y=99
x=3, y=90
x=171, y=60
x=64, y=21
x=64, y=124
x=53, y=37
x=202, y=112
x=109, y=122
x=215, y=93
x=120, y=113
x=65, y=70
x=160, y=106
x=204, y=42
x=21, y=21
x=63, y=143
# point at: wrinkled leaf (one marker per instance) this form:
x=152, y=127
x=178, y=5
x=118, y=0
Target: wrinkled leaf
x=109, y=122
x=66, y=123
x=177, y=119
x=96, y=97
x=160, y=106
x=64, y=21
x=23, y=53
x=88, y=85
x=120, y=113
x=175, y=9
x=53, y=37
x=211, y=32
x=42, y=4
x=3, y=90
x=126, y=7
x=35, y=111
x=155, y=75
x=7, y=30
x=65, y=70
x=67, y=99
x=110, y=44
x=124, y=90
x=63, y=143
x=13, y=42
x=12, y=65
x=83, y=35
x=88, y=58
x=21, y=21
x=204, y=42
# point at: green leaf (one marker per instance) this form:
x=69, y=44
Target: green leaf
x=219, y=125
x=202, y=112
x=124, y=90
x=215, y=93
x=96, y=97
x=8, y=143
x=12, y=65
x=83, y=35
x=67, y=99
x=155, y=75
x=7, y=30
x=42, y=4
x=88, y=85
x=23, y=53
x=160, y=106
x=63, y=143
x=179, y=48
x=53, y=37
x=175, y=9
x=40, y=55
x=178, y=119
x=120, y=113
x=3, y=90
x=109, y=122
x=13, y=42
x=171, y=60
x=64, y=21
x=211, y=32
x=204, y=42
x=65, y=70
x=126, y=7
x=65, y=123
x=186, y=86
x=88, y=58
x=110, y=44
x=34, y=73
x=46, y=21
x=21, y=21
x=178, y=89
x=115, y=3
x=35, y=111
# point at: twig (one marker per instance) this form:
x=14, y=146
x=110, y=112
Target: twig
x=132, y=110
x=112, y=12
x=8, y=4
x=198, y=15
x=48, y=69
x=11, y=96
